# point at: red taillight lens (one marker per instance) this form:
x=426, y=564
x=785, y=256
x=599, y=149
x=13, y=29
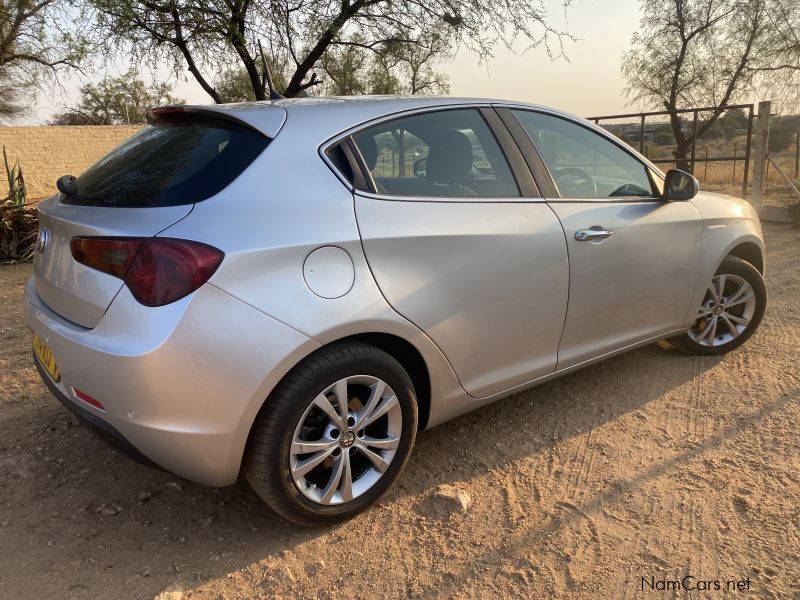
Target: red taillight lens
x=166, y=270
x=109, y=255
x=156, y=270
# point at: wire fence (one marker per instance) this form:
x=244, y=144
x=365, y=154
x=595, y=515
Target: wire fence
x=720, y=154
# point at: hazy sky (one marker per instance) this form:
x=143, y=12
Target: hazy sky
x=587, y=82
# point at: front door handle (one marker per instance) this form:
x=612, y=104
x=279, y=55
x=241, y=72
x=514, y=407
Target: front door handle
x=592, y=234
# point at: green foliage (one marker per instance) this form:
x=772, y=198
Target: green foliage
x=38, y=40
x=18, y=223
x=663, y=139
x=234, y=84
x=11, y=92
x=691, y=53
x=395, y=69
x=207, y=38
x=16, y=183
x=733, y=120
x=783, y=133
x=699, y=53
x=120, y=100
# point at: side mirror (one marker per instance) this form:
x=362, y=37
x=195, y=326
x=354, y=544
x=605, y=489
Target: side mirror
x=679, y=185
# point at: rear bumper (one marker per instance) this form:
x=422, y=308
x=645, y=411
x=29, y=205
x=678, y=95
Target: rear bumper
x=181, y=384
x=99, y=427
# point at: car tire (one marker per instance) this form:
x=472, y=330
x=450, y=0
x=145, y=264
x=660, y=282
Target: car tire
x=736, y=319
x=303, y=413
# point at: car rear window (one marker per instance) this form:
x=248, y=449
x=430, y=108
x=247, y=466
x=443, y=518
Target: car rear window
x=176, y=159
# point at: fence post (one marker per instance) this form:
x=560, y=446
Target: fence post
x=694, y=138
x=797, y=155
x=641, y=136
x=760, y=148
x=747, y=145
x=735, y=148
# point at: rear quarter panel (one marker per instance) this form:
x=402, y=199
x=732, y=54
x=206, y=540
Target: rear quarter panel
x=287, y=204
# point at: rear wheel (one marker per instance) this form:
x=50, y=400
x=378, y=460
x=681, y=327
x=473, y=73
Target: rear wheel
x=730, y=313
x=334, y=435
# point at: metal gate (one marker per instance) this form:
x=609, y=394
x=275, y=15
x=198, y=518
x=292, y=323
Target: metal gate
x=713, y=143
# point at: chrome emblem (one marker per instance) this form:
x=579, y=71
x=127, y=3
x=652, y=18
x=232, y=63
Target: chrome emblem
x=347, y=440
x=42, y=239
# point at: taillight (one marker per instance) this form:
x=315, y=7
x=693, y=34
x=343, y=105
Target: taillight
x=109, y=255
x=156, y=270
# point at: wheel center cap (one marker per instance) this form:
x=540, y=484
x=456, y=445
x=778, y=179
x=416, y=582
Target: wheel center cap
x=718, y=310
x=347, y=439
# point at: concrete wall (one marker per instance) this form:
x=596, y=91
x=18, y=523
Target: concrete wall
x=47, y=152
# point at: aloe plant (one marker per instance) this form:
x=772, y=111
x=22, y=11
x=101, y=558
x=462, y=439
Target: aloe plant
x=16, y=183
x=18, y=223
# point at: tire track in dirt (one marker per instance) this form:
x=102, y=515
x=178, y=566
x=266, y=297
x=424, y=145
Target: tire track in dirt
x=695, y=464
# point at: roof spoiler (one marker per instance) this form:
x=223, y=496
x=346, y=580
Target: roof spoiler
x=268, y=127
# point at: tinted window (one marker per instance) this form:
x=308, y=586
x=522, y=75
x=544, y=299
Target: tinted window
x=177, y=160
x=446, y=153
x=339, y=160
x=583, y=163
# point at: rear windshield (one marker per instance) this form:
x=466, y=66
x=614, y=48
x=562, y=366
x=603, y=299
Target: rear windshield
x=177, y=159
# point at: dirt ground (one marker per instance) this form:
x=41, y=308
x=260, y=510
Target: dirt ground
x=651, y=464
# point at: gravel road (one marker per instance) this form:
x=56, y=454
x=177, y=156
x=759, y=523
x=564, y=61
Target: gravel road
x=611, y=482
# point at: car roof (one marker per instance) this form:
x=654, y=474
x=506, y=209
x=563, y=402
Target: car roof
x=319, y=119
x=330, y=115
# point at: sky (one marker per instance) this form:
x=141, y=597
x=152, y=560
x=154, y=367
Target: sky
x=587, y=81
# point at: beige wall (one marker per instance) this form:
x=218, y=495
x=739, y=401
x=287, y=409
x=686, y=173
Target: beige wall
x=47, y=152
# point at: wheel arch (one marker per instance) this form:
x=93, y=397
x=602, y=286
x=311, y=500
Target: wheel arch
x=411, y=360
x=749, y=252
x=397, y=347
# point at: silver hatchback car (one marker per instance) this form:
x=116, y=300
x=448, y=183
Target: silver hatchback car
x=292, y=289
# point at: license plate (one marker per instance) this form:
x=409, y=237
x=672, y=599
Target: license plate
x=45, y=356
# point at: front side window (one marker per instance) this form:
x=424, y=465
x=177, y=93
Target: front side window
x=584, y=164
x=450, y=153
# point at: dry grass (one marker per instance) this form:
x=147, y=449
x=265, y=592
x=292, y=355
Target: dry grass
x=18, y=227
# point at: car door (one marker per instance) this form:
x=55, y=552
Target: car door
x=461, y=244
x=633, y=258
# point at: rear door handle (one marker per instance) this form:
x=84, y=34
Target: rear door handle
x=592, y=234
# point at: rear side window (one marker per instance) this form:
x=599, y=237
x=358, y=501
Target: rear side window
x=177, y=159
x=339, y=160
x=449, y=153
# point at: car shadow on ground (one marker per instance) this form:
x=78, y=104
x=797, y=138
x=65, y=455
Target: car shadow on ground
x=135, y=530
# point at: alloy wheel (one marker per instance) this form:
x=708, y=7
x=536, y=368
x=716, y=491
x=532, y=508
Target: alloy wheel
x=726, y=311
x=345, y=440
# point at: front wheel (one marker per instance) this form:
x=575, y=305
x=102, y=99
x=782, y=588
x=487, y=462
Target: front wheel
x=730, y=313
x=334, y=435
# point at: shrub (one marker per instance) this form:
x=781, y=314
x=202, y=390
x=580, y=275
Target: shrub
x=18, y=223
x=794, y=214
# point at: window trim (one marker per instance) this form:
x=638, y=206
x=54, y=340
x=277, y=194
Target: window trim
x=509, y=148
x=355, y=167
x=539, y=168
x=366, y=174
